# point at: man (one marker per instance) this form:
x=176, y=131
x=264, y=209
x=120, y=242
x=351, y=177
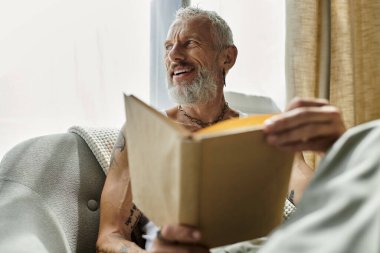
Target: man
x=199, y=52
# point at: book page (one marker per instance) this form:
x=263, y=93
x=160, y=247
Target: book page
x=256, y=121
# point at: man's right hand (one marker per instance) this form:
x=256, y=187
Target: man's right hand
x=115, y=243
x=178, y=239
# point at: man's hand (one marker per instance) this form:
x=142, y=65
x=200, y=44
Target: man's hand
x=308, y=124
x=178, y=239
x=115, y=243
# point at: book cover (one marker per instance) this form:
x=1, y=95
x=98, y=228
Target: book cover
x=224, y=179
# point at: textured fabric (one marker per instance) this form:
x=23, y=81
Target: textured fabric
x=303, y=51
x=100, y=141
x=50, y=188
x=30, y=231
x=289, y=209
x=355, y=59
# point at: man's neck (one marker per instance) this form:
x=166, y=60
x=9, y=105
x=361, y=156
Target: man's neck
x=206, y=112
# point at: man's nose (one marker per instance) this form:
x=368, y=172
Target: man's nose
x=176, y=53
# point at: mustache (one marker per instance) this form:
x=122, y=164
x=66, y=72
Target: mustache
x=180, y=64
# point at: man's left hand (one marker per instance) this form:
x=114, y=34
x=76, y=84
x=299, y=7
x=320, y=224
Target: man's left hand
x=307, y=124
x=178, y=239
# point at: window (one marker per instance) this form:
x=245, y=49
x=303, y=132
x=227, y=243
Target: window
x=65, y=63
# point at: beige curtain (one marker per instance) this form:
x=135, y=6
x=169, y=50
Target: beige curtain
x=355, y=59
x=333, y=51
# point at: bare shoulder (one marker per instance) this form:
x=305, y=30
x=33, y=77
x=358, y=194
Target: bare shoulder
x=172, y=113
x=232, y=114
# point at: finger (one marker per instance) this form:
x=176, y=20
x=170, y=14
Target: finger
x=301, y=116
x=180, y=233
x=301, y=102
x=305, y=133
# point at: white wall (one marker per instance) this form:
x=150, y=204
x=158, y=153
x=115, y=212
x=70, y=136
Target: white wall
x=66, y=62
x=259, y=34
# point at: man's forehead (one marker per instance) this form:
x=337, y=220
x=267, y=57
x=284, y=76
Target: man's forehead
x=195, y=26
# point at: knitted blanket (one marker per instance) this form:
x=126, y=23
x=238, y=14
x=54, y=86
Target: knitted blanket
x=100, y=141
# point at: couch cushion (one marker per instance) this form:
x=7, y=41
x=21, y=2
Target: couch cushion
x=251, y=104
x=60, y=175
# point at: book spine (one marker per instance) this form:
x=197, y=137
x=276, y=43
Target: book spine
x=190, y=182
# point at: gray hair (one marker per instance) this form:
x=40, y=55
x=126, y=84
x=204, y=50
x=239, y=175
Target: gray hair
x=222, y=32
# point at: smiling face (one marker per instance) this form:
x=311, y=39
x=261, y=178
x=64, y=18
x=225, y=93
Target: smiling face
x=194, y=70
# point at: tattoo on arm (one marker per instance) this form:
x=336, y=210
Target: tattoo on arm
x=291, y=196
x=129, y=220
x=119, y=145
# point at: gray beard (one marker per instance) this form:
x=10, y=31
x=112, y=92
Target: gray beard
x=200, y=91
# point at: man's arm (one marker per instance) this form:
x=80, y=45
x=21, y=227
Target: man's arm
x=307, y=124
x=299, y=179
x=117, y=213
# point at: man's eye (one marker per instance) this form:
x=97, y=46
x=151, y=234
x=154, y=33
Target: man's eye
x=190, y=43
x=168, y=47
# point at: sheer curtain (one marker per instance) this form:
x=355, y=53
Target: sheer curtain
x=67, y=62
x=162, y=15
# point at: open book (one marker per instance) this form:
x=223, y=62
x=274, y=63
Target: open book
x=225, y=179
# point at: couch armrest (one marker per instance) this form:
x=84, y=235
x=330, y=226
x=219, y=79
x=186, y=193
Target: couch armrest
x=50, y=188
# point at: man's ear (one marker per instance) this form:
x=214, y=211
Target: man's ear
x=230, y=56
